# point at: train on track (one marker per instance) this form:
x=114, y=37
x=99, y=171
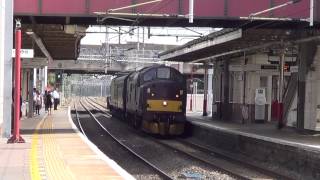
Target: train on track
x=153, y=99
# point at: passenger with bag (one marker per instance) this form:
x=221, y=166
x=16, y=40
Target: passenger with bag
x=56, y=98
x=38, y=102
x=49, y=102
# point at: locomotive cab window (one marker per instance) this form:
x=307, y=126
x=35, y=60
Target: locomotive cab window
x=175, y=75
x=163, y=73
x=149, y=75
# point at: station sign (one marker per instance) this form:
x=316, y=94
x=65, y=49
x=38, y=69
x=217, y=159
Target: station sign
x=254, y=68
x=269, y=66
x=294, y=69
x=287, y=59
x=24, y=53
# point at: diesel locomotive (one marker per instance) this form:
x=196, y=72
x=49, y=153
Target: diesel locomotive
x=153, y=99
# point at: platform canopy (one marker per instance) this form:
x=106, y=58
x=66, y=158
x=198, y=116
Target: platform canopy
x=53, y=41
x=234, y=42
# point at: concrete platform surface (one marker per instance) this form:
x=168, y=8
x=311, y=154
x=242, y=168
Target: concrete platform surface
x=54, y=149
x=263, y=131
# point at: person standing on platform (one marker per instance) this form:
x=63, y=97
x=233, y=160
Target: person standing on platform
x=38, y=102
x=56, y=98
x=49, y=102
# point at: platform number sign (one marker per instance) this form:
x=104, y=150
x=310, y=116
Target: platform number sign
x=24, y=53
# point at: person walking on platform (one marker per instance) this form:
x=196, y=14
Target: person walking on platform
x=38, y=102
x=49, y=102
x=56, y=98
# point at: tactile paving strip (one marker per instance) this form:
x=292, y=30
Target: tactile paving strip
x=56, y=168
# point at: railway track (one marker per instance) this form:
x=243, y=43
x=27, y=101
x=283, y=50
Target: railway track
x=158, y=171
x=171, y=161
x=188, y=148
x=226, y=155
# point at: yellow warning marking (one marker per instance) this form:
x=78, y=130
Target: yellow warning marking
x=171, y=106
x=55, y=164
x=34, y=166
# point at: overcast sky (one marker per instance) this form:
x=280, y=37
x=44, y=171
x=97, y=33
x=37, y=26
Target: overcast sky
x=167, y=36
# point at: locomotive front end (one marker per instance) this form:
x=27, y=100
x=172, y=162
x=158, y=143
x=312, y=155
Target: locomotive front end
x=164, y=100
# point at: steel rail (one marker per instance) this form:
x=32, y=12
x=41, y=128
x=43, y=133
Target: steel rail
x=205, y=161
x=197, y=158
x=220, y=154
x=90, y=101
x=161, y=173
x=78, y=120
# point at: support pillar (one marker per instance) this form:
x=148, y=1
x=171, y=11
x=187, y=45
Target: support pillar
x=281, y=78
x=24, y=88
x=205, y=94
x=35, y=77
x=30, y=94
x=16, y=138
x=210, y=80
x=306, y=56
x=215, y=92
x=191, y=88
x=6, y=45
x=225, y=90
x=27, y=89
x=41, y=80
x=46, y=76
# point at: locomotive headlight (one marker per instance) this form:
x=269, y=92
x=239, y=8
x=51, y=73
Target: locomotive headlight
x=152, y=94
x=148, y=90
x=181, y=92
x=164, y=103
x=177, y=95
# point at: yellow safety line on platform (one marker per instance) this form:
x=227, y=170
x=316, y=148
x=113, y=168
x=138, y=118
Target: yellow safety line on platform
x=34, y=166
x=56, y=167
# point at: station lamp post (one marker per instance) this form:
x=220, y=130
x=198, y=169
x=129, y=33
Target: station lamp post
x=16, y=138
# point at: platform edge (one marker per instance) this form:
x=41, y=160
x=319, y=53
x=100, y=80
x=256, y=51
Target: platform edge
x=96, y=150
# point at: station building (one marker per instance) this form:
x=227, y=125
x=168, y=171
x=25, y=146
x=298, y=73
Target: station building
x=248, y=62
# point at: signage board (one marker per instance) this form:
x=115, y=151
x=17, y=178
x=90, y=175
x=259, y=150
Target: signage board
x=294, y=69
x=276, y=59
x=24, y=53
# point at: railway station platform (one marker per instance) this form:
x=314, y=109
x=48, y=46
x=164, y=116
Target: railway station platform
x=285, y=151
x=54, y=149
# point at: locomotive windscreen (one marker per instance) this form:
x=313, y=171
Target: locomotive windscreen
x=149, y=75
x=162, y=73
